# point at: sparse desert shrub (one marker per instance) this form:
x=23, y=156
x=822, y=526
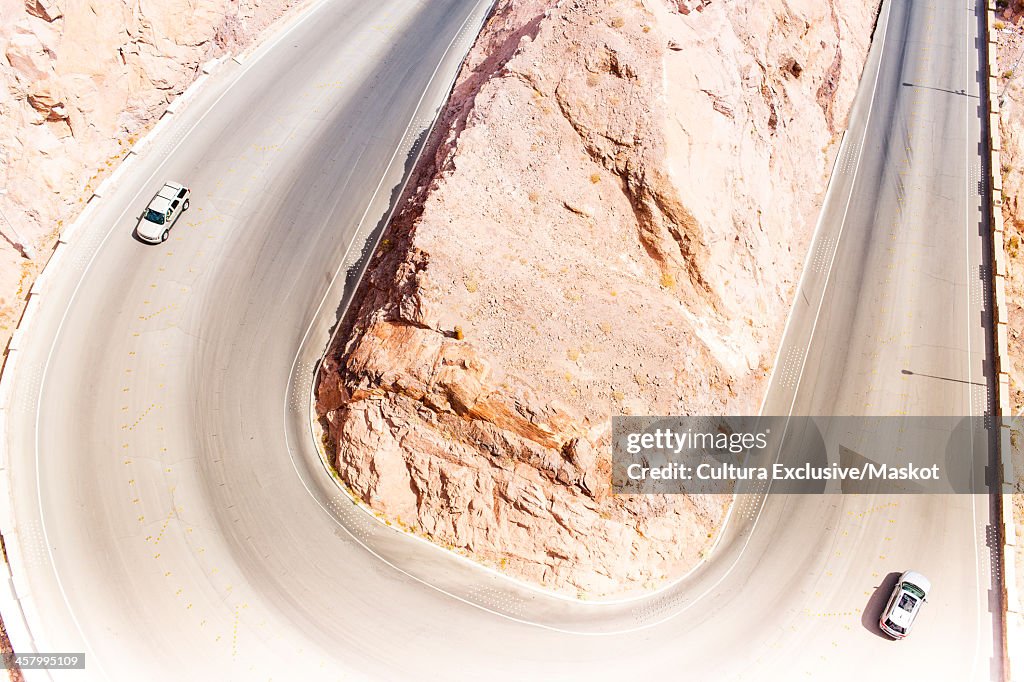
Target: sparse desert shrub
x=459, y=334
x=1013, y=246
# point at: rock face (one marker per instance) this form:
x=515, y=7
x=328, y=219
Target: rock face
x=611, y=220
x=80, y=81
x=1010, y=44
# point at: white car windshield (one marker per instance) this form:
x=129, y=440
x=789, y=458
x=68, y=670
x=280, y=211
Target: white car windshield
x=154, y=216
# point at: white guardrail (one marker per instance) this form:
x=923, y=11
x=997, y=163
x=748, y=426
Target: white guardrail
x=1013, y=642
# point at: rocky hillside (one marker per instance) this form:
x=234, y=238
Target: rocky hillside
x=612, y=220
x=1010, y=64
x=80, y=81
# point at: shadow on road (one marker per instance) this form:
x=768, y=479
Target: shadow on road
x=873, y=609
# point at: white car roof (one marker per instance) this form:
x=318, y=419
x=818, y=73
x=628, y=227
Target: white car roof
x=162, y=201
x=159, y=204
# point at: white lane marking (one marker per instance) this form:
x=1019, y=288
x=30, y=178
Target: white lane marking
x=846, y=211
x=97, y=661
x=828, y=276
x=970, y=398
x=815, y=238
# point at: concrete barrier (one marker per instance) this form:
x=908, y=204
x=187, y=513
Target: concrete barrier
x=37, y=288
x=11, y=601
x=68, y=233
x=208, y=67
x=1002, y=361
x=1006, y=455
x=153, y=133
x=187, y=93
x=1010, y=577
x=1013, y=640
x=999, y=289
x=1009, y=526
x=999, y=254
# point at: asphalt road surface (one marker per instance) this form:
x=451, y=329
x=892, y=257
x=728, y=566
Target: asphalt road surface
x=173, y=518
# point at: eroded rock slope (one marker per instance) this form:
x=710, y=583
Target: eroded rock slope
x=1009, y=51
x=612, y=220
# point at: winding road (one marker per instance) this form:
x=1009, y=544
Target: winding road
x=171, y=516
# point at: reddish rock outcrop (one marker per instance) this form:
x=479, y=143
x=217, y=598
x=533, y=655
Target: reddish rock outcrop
x=611, y=220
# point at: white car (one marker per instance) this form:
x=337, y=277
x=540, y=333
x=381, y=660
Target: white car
x=911, y=591
x=161, y=214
